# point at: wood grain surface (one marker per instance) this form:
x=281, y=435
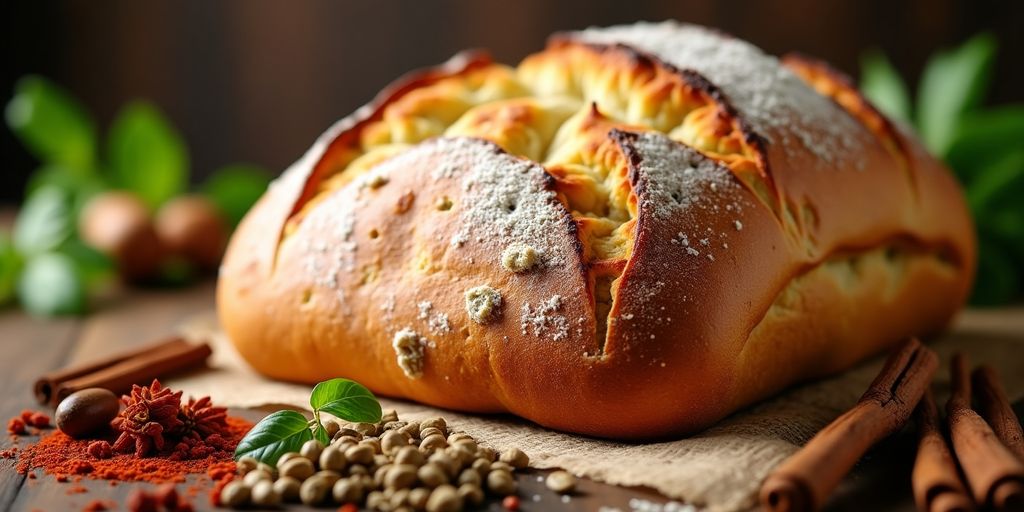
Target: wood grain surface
x=32, y=346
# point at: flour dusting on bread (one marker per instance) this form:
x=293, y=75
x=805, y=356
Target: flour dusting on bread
x=770, y=97
x=544, y=319
x=506, y=200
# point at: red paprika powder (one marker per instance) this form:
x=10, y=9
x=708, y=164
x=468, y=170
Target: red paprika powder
x=58, y=454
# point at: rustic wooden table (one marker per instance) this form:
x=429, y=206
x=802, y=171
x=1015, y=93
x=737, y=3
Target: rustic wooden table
x=32, y=346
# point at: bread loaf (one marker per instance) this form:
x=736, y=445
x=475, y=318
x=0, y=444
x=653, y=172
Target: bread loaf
x=634, y=233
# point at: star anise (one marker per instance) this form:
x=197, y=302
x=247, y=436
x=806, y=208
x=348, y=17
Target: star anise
x=200, y=419
x=149, y=413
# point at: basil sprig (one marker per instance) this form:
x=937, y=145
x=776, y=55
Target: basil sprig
x=982, y=144
x=286, y=431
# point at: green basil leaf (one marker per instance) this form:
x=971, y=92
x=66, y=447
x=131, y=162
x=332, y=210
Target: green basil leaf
x=883, y=86
x=320, y=434
x=44, y=222
x=147, y=155
x=277, y=434
x=952, y=83
x=10, y=267
x=235, y=188
x=51, y=285
x=985, y=136
x=52, y=125
x=347, y=400
x=997, y=280
x=995, y=200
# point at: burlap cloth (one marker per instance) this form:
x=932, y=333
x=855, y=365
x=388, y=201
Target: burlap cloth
x=720, y=469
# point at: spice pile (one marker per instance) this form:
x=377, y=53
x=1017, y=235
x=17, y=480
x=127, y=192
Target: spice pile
x=390, y=465
x=156, y=437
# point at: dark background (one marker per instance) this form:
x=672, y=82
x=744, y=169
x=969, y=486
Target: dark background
x=257, y=81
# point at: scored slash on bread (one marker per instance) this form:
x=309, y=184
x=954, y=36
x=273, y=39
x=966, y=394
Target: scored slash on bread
x=704, y=226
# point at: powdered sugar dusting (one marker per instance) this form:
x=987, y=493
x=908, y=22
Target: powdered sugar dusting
x=771, y=98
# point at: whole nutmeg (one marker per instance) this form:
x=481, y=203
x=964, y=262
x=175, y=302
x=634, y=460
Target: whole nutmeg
x=118, y=224
x=192, y=227
x=87, y=412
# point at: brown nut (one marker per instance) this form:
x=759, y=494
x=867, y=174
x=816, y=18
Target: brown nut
x=482, y=466
x=331, y=427
x=483, y=452
x=311, y=449
x=412, y=429
x=287, y=488
x=192, y=227
x=257, y=475
x=366, y=429
x=437, y=423
x=235, y=494
x=444, y=499
x=373, y=443
x=347, y=432
x=501, y=483
x=471, y=494
x=515, y=457
x=433, y=442
x=286, y=457
x=263, y=495
x=86, y=412
x=469, y=476
x=409, y=455
x=432, y=475
x=418, y=498
x=561, y=482
x=393, y=440
x=400, y=476
x=314, y=491
x=332, y=458
x=331, y=477
x=245, y=465
x=347, y=491
x=388, y=416
x=118, y=224
x=299, y=468
x=426, y=432
x=360, y=454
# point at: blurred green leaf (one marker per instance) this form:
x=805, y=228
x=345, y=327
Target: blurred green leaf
x=79, y=187
x=51, y=285
x=147, y=155
x=952, y=83
x=998, y=279
x=95, y=267
x=44, y=222
x=235, y=188
x=10, y=267
x=996, y=198
x=52, y=125
x=985, y=136
x=883, y=86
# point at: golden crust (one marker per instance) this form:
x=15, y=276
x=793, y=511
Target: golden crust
x=688, y=255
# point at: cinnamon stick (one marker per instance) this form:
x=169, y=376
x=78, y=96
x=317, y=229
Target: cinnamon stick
x=994, y=406
x=118, y=372
x=804, y=481
x=936, y=479
x=994, y=475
